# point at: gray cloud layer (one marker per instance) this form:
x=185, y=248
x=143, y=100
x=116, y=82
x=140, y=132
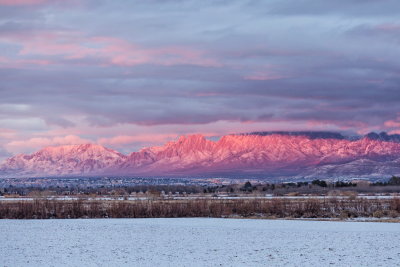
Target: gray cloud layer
x=199, y=62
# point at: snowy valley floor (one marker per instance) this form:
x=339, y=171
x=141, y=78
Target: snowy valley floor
x=197, y=242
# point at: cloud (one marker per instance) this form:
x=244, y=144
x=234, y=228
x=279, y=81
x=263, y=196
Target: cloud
x=75, y=45
x=380, y=32
x=122, y=141
x=264, y=75
x=37, y=143
x=392, y=124
x=58, y=121
x=351, y=8
x=121, y=72
x=7, y=133
x=22, y=2
x=4, y=154
x=13, y=63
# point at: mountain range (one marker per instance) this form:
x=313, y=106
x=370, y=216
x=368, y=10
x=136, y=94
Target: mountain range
x=297, y=155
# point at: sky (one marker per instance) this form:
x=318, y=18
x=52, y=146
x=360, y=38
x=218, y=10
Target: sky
x=130, y=74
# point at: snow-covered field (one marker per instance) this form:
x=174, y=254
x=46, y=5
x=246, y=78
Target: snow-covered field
x=197, y=242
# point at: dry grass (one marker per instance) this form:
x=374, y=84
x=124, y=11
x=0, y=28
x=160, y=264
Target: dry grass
x=249, y=208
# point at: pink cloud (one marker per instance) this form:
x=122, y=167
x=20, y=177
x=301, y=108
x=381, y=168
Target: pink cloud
x=125, y=53
x=394, y=132
x=18, y=63
x=113, y=51
x=388, y=27
x=37, y=143
x=7, y=133
x=392, y=124
x=130, y=139
x=22, y=2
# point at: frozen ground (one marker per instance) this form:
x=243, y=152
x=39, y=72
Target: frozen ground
x=197, y=242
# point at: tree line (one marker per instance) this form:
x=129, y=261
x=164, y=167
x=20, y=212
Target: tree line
x=218, y=208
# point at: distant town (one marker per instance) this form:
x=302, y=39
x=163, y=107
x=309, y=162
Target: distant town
x=96, y=182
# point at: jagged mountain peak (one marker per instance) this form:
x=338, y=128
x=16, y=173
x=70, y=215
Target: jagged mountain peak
x=191, y=138
x=78, y=149
x=267, y=153
x=63, y=160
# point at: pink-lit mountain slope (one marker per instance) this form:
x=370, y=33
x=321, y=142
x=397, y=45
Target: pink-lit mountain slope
x=63, y=160
x=270, y=155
